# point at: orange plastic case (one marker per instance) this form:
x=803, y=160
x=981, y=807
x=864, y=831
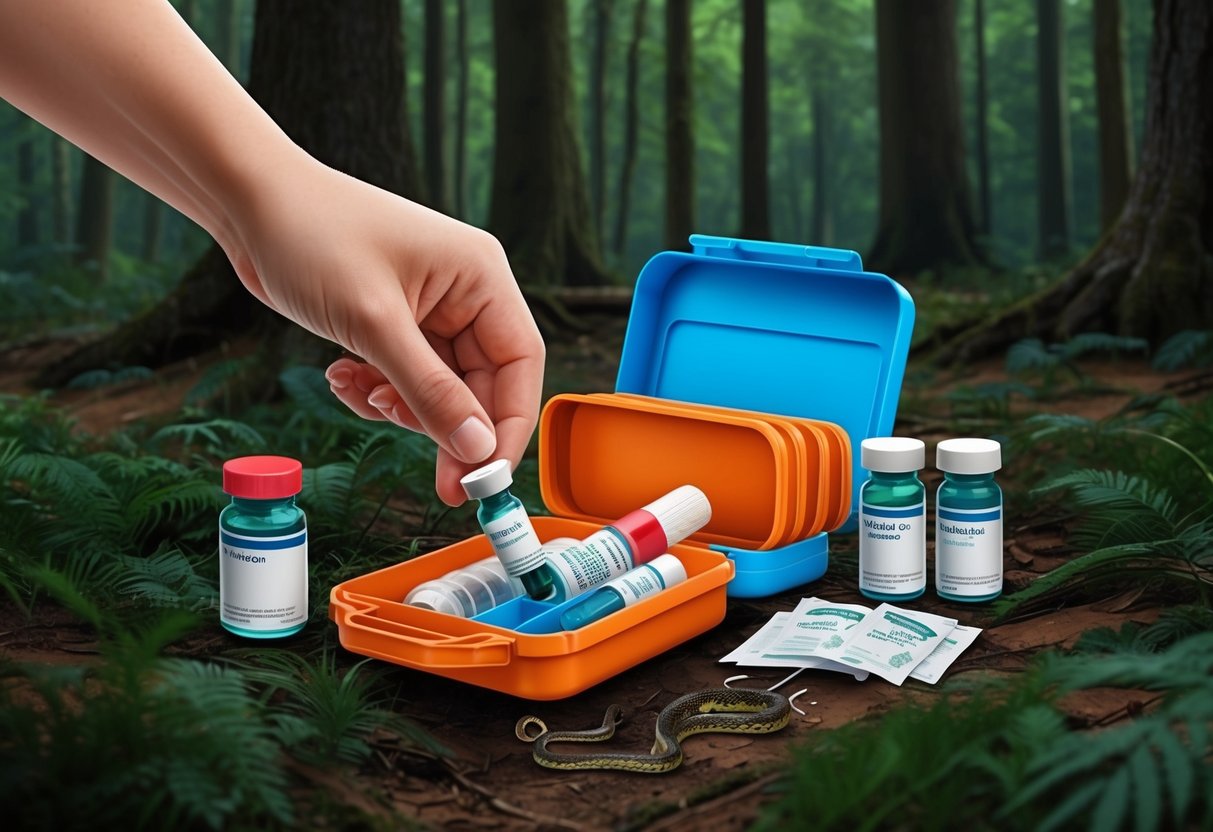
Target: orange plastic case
x=372, y=620
x=811, y=334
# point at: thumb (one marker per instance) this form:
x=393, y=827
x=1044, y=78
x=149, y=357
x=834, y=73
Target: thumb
x=441, y=401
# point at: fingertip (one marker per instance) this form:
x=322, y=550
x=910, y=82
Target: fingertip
x=473, y=441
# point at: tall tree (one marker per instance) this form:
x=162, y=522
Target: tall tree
x=603, y=12
x=1151, y=275
x=61, y=189
x=540, y=206
x=755, y=134
x=1053, y=132
x=434, y=108
x=981, y=116
x=95, y=220
x=27, y=169
x=631, y=127
x=227, y=41
x=153, y=227
x=331, y=73
x=925, y=215
x=1115, y=137
x=679, y=132
x=459, y=186
x=821, y=231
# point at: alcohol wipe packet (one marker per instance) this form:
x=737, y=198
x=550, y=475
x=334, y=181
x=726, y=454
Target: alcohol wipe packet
x=891, y=642
x=815, y=622
x=753, y=646
x=932, y=668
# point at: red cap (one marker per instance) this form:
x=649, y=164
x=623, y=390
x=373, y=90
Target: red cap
x=263, y=477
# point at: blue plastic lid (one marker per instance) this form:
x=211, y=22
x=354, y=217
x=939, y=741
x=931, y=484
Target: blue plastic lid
x=787, y=329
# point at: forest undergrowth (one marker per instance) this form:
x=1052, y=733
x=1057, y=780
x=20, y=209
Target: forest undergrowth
x=159, y=728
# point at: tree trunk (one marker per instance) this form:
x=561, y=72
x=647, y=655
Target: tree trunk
x=679, y=135
x=153, y=225
x=1053, y=133
x=227, y=44
x=1115, y=136
x=631, y=125
x=822, y=231
x=984, y=220
x=27, y=168
x=755, y=190
x=461, y=109
x=925, y=215
x=540, y=206
x=61, y=190
x=95, y=222
x=1151, y=275
x=331, y=74
x=434, y=110
x=603, y=12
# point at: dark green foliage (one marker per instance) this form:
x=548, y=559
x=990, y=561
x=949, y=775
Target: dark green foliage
x=1190, y=348
x=327, y=713
x=1145, y=523
x=1032, y=356
x=1004, y=755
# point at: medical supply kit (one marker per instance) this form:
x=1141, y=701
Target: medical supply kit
x=751, y=371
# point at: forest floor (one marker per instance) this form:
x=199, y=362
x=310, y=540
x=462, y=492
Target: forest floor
x=492, y=782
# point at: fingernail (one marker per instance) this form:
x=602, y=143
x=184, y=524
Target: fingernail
x=382, y=396
x=339, y=377
x=472, y=441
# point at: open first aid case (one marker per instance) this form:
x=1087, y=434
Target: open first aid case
x=749, y=369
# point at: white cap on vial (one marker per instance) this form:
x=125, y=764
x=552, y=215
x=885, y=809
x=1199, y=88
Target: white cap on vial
x=488, y=480
x=681, y=513
x=968, y=456
x=670, y=569
x=892, y=454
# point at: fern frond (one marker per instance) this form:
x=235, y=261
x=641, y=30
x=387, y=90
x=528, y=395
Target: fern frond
x=1189, y=348
x=1087, y=343
x=309, y=390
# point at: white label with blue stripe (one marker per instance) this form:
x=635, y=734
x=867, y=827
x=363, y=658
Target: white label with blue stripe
x=893, y=548
x=262, y=580
x=968, y=551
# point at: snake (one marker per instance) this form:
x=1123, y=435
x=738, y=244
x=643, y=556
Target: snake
x=714, y=710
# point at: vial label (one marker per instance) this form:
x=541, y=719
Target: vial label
x=515, y=542
x=637, y=584
x=262, y=580
x=968, y=551
x=893, y=549
x=595, y=560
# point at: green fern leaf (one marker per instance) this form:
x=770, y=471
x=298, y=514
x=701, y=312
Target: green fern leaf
x=1177, y=763
x=1110, y=811
x=1087, y=343
x=1189, y=348
x=1148, y=790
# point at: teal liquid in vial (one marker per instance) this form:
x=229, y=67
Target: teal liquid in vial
x=968, y=521
x=508, y=527
x=263, y=581
x=892, y=520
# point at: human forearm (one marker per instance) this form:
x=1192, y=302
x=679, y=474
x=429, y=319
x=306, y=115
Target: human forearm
x=131, y=84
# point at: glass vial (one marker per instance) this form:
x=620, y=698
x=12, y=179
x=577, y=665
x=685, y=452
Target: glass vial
x=968, y=521
x=506, y=523
x=646, y=580
x=263, y=548
x=633, y=539
x=892, y=520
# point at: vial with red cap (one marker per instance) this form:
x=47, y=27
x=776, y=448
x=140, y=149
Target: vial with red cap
x=263, y=548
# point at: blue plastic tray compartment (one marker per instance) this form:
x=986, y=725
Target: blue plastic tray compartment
x=786, y=329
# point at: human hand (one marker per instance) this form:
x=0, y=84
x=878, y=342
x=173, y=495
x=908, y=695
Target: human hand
x=430, y=303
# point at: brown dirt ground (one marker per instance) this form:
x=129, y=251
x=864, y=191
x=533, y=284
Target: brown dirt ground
x=493, y=784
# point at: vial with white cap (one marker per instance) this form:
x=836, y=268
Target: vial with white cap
x=968, y=521
x=646, y=580
x=505, y=522
x=892, y=519
x=635, y=538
